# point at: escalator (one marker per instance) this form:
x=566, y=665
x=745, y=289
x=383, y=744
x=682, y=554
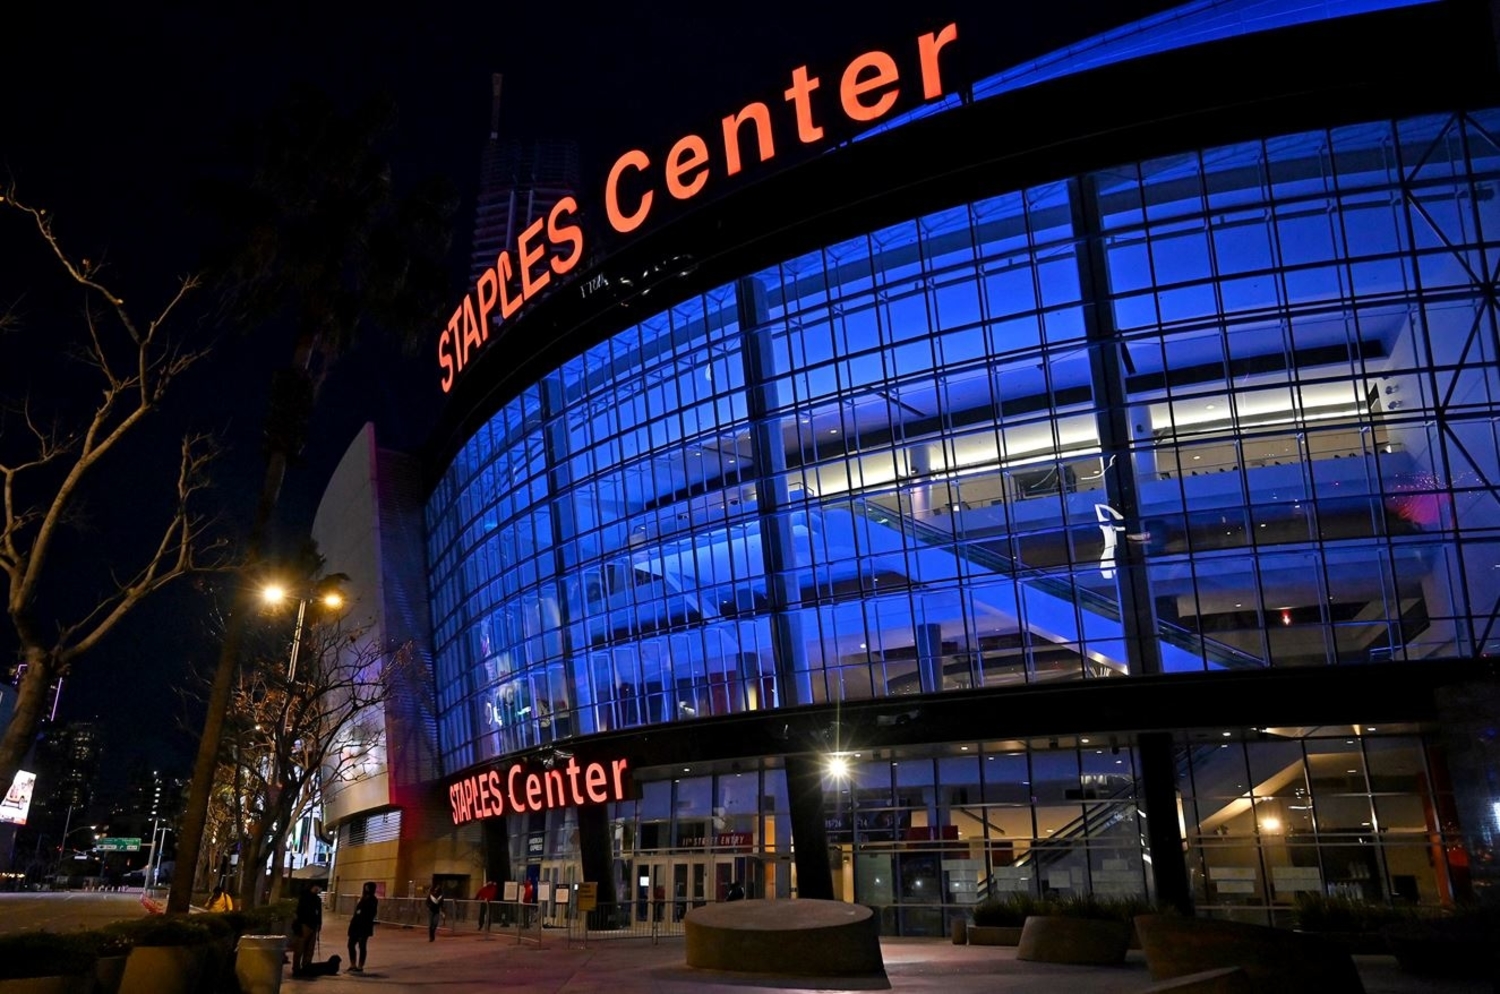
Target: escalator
x=1057, y=609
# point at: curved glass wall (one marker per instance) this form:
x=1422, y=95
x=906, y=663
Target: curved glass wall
x=1227, y=409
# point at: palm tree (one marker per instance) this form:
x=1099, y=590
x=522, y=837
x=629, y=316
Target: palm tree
x=328, y=250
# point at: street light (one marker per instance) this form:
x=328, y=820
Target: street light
x=324, y=592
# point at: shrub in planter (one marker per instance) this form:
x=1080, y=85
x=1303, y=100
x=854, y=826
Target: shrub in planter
x=160, y=930
x=268, y=919
x=1007, y=912
x=45, y=954
x=1106, y=909
x=1316, y=913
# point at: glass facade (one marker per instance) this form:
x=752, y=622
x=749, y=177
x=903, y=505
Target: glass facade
x=1269, y=816
x=1233, y=408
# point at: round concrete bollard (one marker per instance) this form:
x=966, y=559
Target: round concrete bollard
x=258, y=962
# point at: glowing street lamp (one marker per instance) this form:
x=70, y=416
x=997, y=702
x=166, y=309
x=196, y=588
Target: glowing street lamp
x=324, y=592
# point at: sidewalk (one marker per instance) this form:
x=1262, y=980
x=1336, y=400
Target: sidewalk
x=468, y=962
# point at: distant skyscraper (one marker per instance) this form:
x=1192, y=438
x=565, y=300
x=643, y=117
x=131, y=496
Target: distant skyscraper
x=519, y=182
x=69, y=758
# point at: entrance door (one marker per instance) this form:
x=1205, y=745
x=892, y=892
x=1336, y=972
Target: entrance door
x=666, y=888
x=652, y=882
x=558, y=874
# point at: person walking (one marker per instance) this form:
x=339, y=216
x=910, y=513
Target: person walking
x=434, y=911
x=361, y=927
x=220, y=901
x=305, y=928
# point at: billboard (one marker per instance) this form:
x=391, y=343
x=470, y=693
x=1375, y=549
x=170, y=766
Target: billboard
x=17, y=803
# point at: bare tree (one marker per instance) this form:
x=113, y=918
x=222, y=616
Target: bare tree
x=48, y=459
x=292, y=736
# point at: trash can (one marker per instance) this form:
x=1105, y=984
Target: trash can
x=257, y=963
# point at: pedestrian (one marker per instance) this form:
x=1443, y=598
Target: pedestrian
x=736, y=892
x=434, y=911
x=361, y=927
x=306, y=925
x=220, y=901
x=485, y=895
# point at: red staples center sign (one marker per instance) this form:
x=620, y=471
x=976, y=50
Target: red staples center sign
x=868, y=89
x=517, y=790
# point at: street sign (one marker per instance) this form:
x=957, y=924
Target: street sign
x=118, y=845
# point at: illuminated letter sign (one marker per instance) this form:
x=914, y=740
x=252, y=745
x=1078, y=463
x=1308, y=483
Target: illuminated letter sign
x=867, y=90
x=517, y=790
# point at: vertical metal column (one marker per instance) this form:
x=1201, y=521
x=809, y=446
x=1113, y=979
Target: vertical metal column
x=804, y=788
x=773, y=498
x=804, y=773
x=1109, y=364
x=558, y=451
x=596, y=851
x=1163, y=832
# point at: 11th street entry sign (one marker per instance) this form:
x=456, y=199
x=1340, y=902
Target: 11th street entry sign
x=119, y=845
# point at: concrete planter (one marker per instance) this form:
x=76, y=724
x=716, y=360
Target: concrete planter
x=994, y=935
x=163, y=969
x=1444, y=948
x=1078, y=941
x=108, y=972
x=1274, y=959
x=81, y=983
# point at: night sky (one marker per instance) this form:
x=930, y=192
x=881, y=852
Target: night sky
x=113, y=117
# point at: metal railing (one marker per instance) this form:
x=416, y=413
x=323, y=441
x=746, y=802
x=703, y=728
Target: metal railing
x=641, y=919
x=654, y=920
x=524, y=922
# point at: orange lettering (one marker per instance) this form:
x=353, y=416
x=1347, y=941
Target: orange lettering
x=534, y=791
x=929, y=46
x=472, y=341
x=619, y=766
x=503, y=276
x=802, y=87
x=634, y=159
x=488, y=291
x=594, y=779
x=852, y=87
x=493, y=776
x=510, y=789
x=458, y=339
x=529, y=258
x=761, y=115
x=554, y=781
x=559, y=234
x=445, y=362
x=688, y=154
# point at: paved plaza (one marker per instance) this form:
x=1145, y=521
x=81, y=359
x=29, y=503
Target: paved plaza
x=466, y=961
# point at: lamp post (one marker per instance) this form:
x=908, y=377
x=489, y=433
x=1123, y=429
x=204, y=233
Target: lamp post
x=325, y=593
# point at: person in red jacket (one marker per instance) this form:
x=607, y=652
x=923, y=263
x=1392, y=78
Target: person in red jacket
x=484, y=896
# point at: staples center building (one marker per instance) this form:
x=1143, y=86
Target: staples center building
x=1080, y=479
